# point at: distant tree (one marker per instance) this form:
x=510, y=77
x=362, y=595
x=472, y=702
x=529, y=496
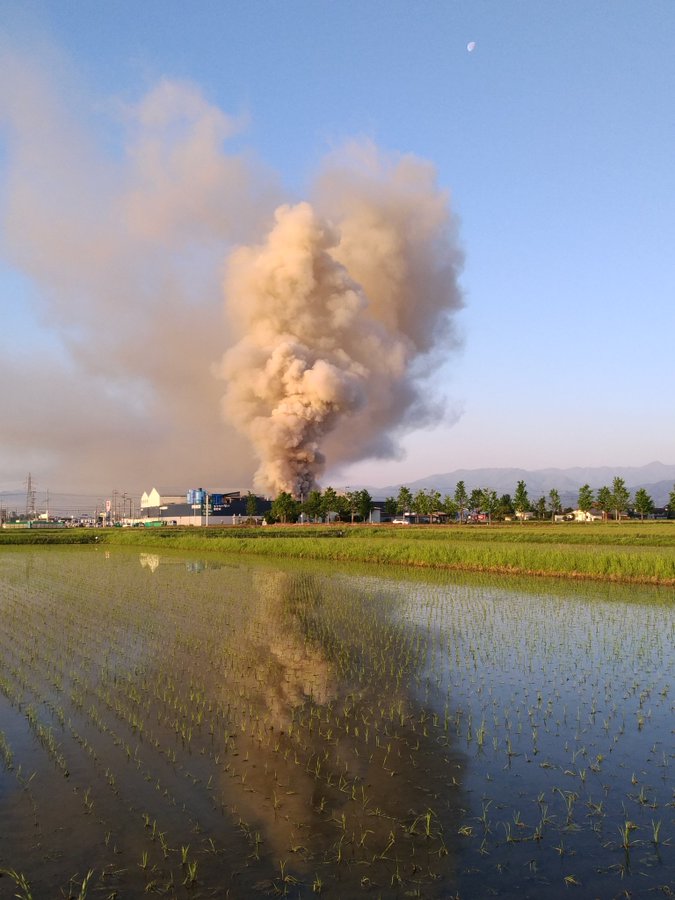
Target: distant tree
x=671, y=503
x=620, y=497
x=435, y=503
x=461, y=499
x=390, y=506
x=364, y=504
x=285, y=508
x=643, y=503
x=553, y=502
x=489, y=503
x=330, y=502
x=418, y=504
x=343, y=507
x=540, y=507
x=251, y=505
x=313, y=505
x=422, y=505
x=505, y=507
x=404, y=501
x=475, y=500
x=605, y=501
x=520, y=499
x=352, y=499
x=585, y=500
x=449, y=507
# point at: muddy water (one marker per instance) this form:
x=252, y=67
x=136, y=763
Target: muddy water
x=193, y=727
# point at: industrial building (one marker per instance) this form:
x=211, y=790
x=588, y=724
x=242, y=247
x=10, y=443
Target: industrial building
x=200, y=507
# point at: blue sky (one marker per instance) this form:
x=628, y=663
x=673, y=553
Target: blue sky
x=554, y=137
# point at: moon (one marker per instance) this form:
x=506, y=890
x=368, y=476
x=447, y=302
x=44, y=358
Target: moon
x=471, y=46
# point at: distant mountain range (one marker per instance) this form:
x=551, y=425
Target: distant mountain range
x=657, y=479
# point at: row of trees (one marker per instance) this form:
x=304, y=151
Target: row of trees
x=486, y=502
x=461, y=504
x=430, y=505
x=351, y=506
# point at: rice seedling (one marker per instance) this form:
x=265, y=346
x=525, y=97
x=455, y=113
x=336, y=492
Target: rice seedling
x=20, y=882
x=625, y=830
x=190, y=873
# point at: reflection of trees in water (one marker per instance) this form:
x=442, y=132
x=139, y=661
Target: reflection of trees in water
x=345, y=766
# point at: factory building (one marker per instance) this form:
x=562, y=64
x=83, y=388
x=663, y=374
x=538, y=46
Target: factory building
x=200, y=507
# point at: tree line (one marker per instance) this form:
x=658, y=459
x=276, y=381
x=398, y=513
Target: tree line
x=352, y=506
x=462, y=505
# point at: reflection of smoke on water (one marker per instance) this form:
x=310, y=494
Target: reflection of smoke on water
x=286, y=669
x=267, y=708
x=339, y=761
x=301, y=671
x=322, y=747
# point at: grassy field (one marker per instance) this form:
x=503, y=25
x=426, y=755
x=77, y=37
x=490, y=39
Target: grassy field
x=629, y=552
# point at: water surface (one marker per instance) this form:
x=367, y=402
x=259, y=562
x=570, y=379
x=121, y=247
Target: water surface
x=192, y=727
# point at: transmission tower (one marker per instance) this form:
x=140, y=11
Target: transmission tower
x=30, y=499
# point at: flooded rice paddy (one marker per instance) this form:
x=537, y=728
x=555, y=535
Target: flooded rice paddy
x=178, y=727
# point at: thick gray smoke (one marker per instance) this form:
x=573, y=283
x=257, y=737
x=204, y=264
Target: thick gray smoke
x=341, y=312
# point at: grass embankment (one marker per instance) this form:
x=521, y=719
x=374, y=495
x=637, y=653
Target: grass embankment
x=629, y=552
x=50, y=536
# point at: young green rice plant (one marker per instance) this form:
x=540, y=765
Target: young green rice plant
x=625, y=834
x=425, y=819
x=483, y=818
x=570, y=798
x=190, y=874
x=88, y=802
x=6, y=752
x=285, y=878
x=656, y=831
x=84, y=887
x=20, y=882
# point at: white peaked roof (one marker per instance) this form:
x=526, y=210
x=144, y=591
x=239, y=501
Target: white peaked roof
x=150, y=499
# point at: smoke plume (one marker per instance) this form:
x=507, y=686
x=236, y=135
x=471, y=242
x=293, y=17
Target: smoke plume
x=117, y=216
x=117, y=219
x=341, y=312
